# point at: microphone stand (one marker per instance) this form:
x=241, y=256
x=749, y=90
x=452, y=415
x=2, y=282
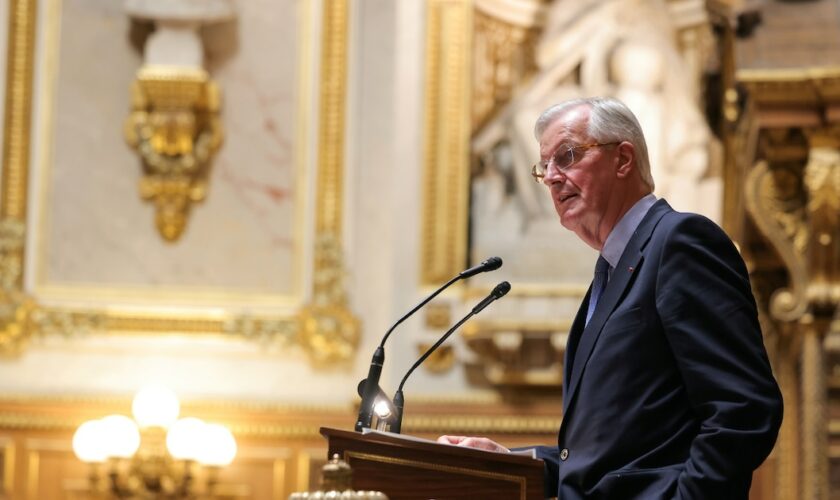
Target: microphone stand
x=399, y=399
x=375, y=371
x=371, y=388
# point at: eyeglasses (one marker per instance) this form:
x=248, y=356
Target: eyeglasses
x=563, y=158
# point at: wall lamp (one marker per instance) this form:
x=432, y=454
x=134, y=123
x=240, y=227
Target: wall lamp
x=155, y=454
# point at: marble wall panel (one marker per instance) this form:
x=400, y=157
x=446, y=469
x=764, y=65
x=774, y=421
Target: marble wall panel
x=94, y=230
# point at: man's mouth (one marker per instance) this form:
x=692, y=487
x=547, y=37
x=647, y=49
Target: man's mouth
x=566, y=197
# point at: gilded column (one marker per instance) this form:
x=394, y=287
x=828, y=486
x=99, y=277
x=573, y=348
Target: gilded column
x=814, y=426
x=786, y=454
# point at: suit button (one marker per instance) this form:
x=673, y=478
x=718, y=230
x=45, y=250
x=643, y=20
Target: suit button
x=564, y=454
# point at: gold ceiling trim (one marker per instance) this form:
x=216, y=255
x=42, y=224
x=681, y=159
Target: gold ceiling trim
x=325, y=328
x=447, y=134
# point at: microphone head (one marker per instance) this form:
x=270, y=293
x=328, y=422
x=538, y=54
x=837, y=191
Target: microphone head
x=501, y=289
x=492, y=264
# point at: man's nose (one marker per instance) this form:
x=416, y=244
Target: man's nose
x=553, y=175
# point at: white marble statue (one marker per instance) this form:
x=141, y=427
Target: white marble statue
x=626, y=49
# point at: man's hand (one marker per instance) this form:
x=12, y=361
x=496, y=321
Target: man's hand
x=481, y=443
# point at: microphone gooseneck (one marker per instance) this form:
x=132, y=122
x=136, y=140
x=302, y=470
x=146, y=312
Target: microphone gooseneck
x=399, y=399
x=371, y=383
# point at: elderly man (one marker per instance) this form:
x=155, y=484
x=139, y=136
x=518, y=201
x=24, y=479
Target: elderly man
x=668, y=392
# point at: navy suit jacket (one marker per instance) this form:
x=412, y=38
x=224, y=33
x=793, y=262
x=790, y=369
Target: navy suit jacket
x=667, y=392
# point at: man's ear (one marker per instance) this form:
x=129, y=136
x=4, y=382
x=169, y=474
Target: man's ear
x=626, y=159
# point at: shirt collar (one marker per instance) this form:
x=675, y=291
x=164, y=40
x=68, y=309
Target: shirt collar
x=623, y=231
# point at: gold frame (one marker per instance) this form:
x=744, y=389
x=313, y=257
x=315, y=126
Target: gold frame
x=447, y=136
x=325, y=328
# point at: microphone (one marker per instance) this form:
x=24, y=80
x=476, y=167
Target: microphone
x=399, y=400
x=490, y=264
x=500, y=291
x=375, y=371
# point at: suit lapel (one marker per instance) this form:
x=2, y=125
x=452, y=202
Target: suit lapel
x=620, y=279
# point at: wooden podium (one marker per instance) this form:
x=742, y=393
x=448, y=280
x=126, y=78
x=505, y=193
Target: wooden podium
x=406, y=468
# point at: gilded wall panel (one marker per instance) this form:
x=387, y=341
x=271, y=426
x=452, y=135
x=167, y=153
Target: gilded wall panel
x=80, y=250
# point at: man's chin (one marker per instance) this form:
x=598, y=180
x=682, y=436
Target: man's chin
x=567, y=222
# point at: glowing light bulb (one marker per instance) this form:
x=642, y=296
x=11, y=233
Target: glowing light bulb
x=155, y=406
x=185, y=439
x=120, y=436
x=219, y=446
x=86, y=442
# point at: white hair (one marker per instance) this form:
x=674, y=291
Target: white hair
x=610, y=120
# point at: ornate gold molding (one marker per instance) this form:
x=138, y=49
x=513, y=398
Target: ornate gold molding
x=503, y=60
x=18, y=106
x=15, y=306
x=325, y=328
x=447, y=133
x=328, y=330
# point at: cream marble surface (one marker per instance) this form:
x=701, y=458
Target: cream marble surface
x=193, y=367
x=96, y=230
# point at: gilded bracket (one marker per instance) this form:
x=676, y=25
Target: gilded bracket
x=822, y=183
x=774, y=200
x=175, y=128
x=801, y=219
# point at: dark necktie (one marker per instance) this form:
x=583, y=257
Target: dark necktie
x=599, y=282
